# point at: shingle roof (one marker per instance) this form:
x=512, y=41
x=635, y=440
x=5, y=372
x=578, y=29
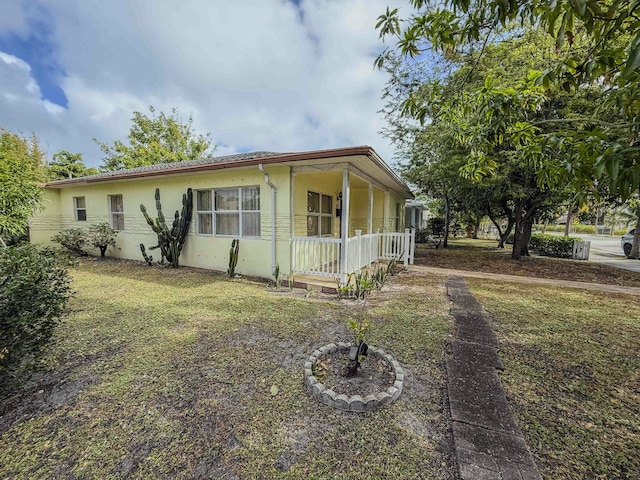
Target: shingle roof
x=237, y=157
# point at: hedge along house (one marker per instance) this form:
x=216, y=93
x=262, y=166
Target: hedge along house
x=323, y=213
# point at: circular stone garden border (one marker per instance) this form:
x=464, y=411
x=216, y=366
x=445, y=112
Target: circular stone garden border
x=355, y=403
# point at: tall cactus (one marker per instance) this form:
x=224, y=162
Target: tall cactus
x=233, y=257
x=171, y=240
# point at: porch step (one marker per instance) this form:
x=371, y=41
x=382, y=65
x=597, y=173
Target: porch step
x=318, y=284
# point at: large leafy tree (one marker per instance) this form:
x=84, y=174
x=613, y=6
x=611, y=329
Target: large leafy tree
x=158, y=138
x=21, y=161
x=68, y=165
x=595, y=43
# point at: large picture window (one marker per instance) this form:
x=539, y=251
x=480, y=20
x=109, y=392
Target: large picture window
x=319, y=214
x=80, y=208
x=116, y=212
x=228, y=212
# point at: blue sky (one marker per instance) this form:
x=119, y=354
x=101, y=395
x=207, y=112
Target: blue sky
x=277, y=75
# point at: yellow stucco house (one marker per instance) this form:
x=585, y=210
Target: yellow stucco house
x=323, y=213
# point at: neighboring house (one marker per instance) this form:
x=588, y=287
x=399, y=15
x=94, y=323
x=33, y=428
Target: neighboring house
x=416, y=214
x=312, y=212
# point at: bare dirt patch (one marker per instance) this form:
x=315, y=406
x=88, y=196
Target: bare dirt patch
x=374, y=375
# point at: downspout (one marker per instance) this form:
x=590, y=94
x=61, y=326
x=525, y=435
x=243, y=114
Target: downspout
x=273, y=216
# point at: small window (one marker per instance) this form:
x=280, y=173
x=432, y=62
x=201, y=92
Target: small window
x=80, y=207
x=116, y=212
x=319, y=214
x=229, y=212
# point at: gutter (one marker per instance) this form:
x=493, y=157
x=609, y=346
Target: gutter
x=273, y=215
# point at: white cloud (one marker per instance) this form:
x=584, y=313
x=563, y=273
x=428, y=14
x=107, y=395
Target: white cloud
x=257, y=75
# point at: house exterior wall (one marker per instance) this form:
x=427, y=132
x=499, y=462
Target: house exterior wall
x=199, y=251
x=326, y=183
x=360, y=210
x=395, y=213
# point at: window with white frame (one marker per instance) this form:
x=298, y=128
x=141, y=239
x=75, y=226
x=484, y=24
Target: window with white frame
x=80, y=208
x=319, y=214
x=116, y=212
x=228, y=212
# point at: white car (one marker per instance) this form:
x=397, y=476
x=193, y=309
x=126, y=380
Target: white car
x=626, y=241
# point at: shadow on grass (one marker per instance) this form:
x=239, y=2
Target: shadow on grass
x=181, y=277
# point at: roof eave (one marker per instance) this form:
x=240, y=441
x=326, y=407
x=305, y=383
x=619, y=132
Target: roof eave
x=278, y=158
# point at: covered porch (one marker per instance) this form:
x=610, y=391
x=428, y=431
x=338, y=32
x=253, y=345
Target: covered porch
x=344, y=220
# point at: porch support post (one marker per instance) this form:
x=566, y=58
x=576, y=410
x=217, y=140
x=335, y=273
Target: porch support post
x=292, y=219
x=370, y=225
x=385, y=215
x=344, y=234
x=407, y=246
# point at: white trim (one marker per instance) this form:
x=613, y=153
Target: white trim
x=214, y=213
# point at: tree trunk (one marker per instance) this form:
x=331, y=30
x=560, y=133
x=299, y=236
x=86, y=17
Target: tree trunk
x=545, y=225
x=516, y=252
x=476, y=227
x=635, y=246
x=527, y=226
x=447, y=219
x=505, y=236
x=567, y=225
x=103, y=250
x=497, y=225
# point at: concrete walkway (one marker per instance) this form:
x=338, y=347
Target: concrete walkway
x=488, y=442
x=530, y=280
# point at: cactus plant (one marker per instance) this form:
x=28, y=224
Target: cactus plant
x=233, y=257
x=147, y=258
x=171, y=240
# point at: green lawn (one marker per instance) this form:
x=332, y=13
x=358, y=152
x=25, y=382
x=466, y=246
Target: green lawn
x=159, y=373
x=572, y=375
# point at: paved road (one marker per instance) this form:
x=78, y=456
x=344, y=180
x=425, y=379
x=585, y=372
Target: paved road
x=607, y=250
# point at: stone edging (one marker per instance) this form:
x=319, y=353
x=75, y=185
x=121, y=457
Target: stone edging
x=355, y=403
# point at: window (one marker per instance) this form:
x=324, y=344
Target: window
x=116, y=212
x=80, y=208
x=229, y=212
x=319, y=214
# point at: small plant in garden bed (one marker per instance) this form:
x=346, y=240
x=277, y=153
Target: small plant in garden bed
x=102, y=236
x=359, y=350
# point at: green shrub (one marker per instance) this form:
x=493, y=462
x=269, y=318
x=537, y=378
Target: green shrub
x=435, y=226
x=552, y=245
x=73, y=239
x=579, y=228
x=34, y=291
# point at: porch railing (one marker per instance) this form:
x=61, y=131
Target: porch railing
x=316, y=256
x=321, y=256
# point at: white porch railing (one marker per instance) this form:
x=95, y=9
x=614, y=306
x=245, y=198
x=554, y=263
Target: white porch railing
x=316, y=256
x=321, y=256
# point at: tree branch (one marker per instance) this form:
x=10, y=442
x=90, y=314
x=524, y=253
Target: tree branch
x=586, y=120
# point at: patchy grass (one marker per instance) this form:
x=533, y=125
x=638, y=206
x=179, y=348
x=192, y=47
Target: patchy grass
x=163, y=373
x=483, y=256
x=572, y=375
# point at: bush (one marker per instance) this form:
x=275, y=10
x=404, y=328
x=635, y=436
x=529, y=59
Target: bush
x=34, y=291
x=552, y=245
x=421, y=235
x=102, y=236
x=435, y=226
x=73, y=239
